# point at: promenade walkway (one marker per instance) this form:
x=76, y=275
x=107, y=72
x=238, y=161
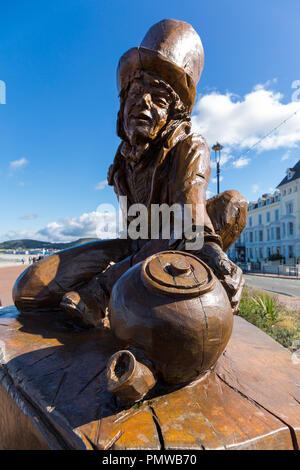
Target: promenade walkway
x=8, y=275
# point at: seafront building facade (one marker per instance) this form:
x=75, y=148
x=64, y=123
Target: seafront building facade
x=273, y=225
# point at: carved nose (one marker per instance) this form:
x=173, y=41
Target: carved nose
x=146, y=99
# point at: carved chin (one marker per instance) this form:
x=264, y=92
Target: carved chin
x=143, y=132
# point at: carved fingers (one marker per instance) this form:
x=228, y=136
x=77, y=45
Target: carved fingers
x=230, y=275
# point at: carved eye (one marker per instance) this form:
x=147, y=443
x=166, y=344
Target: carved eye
x=160, y=101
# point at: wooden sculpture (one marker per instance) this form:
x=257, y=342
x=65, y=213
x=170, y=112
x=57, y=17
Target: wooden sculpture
x=154, y=315
x=159, y=161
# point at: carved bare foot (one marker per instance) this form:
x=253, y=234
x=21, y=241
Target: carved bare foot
x=87, y=314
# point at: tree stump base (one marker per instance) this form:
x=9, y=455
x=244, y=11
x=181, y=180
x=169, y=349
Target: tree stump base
x=53, y=394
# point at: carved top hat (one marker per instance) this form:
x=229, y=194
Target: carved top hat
x=171, y=50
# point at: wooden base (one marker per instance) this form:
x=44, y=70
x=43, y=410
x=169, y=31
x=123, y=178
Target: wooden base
x=53, y=394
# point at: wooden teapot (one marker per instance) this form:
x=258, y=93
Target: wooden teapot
x=173, y=309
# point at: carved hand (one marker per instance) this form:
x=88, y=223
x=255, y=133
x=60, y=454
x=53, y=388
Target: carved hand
x=230, y=275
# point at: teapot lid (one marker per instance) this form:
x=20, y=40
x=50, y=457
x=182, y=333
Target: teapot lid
x=178, y=274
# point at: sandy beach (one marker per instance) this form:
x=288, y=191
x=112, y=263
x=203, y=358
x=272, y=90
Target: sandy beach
x=8, y=275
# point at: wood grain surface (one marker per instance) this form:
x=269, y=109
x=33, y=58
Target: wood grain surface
x=55, y=381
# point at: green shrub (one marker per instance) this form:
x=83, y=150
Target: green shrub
x=268, y=308
x=263, y=311
x=284, y=335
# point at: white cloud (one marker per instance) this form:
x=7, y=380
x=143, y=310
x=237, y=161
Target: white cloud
x=101, y=185
x=255, y=188
x=239, y=122
x=286, y=155
x=16, y=164
x=100, y=224
x=89, y=225
x=261, y=86
x=214, y=180
x=13, y=235
x=240, y=162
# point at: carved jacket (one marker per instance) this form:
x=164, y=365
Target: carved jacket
x=176, y=171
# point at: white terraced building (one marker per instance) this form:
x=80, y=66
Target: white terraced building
x=273, y=225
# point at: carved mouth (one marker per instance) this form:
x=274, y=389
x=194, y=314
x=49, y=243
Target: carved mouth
x=143, y=118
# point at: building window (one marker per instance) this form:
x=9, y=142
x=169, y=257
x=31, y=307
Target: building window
x=260, y=219
x=289, y=208
x=291, y=251
x=251, y=237
x=277, y=233
x=284, y=192
x=250, y=221
x=290, y=228
x=261, y=253
x=268, y=234
x=283, y=230
x=277, y=214
x=268, y=216
x=261, y=236
x=272, y=233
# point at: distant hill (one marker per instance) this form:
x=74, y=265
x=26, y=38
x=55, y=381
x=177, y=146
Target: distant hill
x=27, y=244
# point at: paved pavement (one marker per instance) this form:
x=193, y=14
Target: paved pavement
x=7, y=280
x=283, y=286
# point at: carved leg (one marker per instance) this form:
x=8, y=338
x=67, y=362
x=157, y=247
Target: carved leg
x=43, y=284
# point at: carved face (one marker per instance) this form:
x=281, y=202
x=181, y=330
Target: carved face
x=146, y=109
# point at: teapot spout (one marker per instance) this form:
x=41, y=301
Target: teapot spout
x=127, y=378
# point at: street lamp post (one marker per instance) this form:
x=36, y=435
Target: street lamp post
x=217, y=148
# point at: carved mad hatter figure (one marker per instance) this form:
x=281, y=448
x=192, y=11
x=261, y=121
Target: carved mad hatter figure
x=159, y=161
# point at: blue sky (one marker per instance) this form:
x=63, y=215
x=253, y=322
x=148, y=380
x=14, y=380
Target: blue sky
x=58, y=60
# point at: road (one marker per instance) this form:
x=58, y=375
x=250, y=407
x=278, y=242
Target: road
x=279, y=285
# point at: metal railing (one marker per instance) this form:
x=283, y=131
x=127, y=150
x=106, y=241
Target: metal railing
x=279, y=271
